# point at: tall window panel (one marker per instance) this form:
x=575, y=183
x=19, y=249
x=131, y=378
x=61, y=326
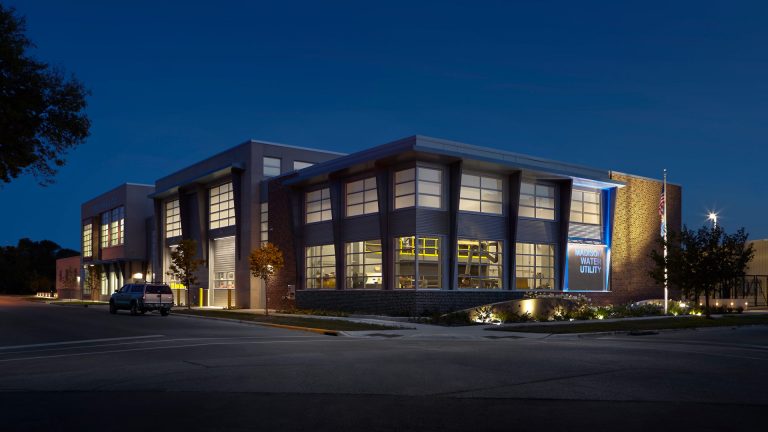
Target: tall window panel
x=417, y=262
x=320, y=267
x=117, y=226
x=172, y=219
x=480, y=264
x=361, y=197
x=481, y=194
x=271, y=166
x=264, y=222
x=88, y=240
x=222, y=207
x=585, y=207
x=318, y=206
x=420, y=187
x=104, y=232
x=363, y=265
x=535, y=266
x=537, y=201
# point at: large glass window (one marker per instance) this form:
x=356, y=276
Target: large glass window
x=585, y=207
x=172, y=219
x=318, y=205
x=264, y=221
x=321, y=267
x=363, y=265
x=271, y=166
x=480, y=193
x=88, y=240
x=537, y=201
x=117, y=227
x=420, y=186
x=104, y=232
x=535, y=266
x=480, y=264
x=222, y=207
x=417, y=262
x=361, y=197
x=297, y=165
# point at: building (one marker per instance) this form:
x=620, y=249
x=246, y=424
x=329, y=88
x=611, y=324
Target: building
x=419, y=224
x=68, y=277
x=115, y=240
x=219, y=203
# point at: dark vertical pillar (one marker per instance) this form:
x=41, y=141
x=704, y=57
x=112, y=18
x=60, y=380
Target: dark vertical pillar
x=296, y=220
x=337, y=216
x=201, y=193
x=513, y=208
x=565, y=189
x=237, y=195
x=385, y=202
x=608, y=210
x=454, y=189
x=157, y=245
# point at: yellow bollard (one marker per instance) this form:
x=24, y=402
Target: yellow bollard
x=201, y=297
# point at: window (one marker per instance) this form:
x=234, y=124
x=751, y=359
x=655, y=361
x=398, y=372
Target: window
x=363, y=264
x=585, y=207
x=321, y=267
x=318, y=205
x=417, y=262
x=172, y=219
x=117, y=226
x=361, y=197
x=87, y=240
x=480, y=194
x=264, y=222
x=480, y=264
x=297, y=165
x=537, y=201
x=104, y=230
x=222, y=208
x=535, y=264
x=224, y=280
x=421, y=187
x=271, y=166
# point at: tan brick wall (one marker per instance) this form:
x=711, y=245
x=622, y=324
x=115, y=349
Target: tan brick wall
x=636, y=231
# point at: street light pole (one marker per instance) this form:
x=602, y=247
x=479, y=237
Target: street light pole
x=713, y=218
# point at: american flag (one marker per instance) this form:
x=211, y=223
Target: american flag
x=662, y=201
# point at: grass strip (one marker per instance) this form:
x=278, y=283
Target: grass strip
x=296, y=321
x=596, y=326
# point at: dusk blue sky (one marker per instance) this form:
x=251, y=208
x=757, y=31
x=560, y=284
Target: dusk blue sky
x=628, y=86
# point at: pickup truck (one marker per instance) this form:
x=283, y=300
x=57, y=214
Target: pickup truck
x=142, y=297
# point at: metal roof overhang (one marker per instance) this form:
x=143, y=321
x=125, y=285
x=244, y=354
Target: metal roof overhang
x=205, y=177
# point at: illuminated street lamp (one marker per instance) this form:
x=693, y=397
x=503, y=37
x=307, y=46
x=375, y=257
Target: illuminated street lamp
x=713, y=217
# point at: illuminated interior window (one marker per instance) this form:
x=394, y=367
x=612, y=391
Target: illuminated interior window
x=537, y=201
x=88, y=240
x=264, y=222
x=320, y=267
x=318, y=205
x=361, y=197
x=480, y=264
x=271, y=166
x=172, y=219
x=585, y=207
x=104, y=232
x=222, y=206
x=535, y=266
x=419, y=187
x=363, y=265
x=481, y=194
x=117, y=227
x=417, y=262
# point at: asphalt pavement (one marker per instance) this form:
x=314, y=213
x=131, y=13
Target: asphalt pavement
x=76, y=368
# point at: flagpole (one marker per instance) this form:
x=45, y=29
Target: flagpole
x=666, y=285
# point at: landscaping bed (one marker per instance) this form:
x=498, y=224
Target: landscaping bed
x=296, y=321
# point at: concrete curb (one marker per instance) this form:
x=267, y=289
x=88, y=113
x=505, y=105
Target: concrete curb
x=325, y=332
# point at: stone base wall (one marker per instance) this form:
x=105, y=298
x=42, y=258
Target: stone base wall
x=407, y=303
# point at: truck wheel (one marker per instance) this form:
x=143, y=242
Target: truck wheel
x=134, y=308
x=112, y=308
x=164, y=312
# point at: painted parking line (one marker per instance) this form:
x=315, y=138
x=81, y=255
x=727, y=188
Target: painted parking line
x=84, y=341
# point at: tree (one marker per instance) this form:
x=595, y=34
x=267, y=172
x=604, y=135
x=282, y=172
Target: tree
x=41, y=111
x=264, y=263
x=184, y=265
x=30, y=266
x=699, y=261
x=92, y=281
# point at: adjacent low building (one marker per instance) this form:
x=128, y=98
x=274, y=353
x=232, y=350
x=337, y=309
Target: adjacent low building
x=419, y=224
x=68, y=277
